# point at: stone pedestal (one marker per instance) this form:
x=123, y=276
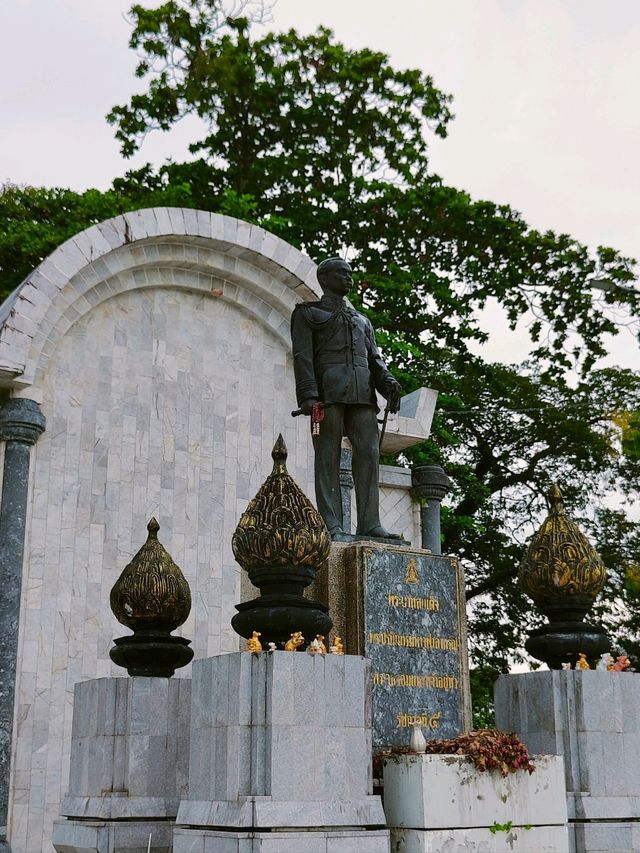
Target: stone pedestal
x=129, y=765
x=404, y=610
x=280, y=757
x=442, y=803
x=592, y=718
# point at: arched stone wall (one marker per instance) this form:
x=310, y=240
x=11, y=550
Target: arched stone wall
x=158, y=346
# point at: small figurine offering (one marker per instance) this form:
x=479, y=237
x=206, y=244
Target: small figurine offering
x=254, y=644
x=314, y=648
x=337, y=647
x=582, y=662
x=622, y=662
x=321, y=646
x=296, y=640
x=418, y=742
x=566, y=667
x=605, y=663
x=272, y=647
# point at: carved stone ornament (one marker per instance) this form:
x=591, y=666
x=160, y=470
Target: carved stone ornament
x=560, y=562
x=280, y=527
x=562, y=572
x=281, y=541
x=151, y=597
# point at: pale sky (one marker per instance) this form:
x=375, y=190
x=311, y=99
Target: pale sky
x=545, y=96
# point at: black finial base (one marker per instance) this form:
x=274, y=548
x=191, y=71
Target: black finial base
x=278, y=617
x=151, y=654
x=563, y=642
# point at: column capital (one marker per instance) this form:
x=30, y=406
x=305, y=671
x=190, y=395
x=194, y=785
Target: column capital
x=21, y=420
x=429, y=482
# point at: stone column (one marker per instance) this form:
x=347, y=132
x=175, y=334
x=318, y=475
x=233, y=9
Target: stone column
x=21, y=424
x=429, y=485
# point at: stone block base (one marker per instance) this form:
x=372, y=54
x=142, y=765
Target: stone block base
x=538, y=839
x=591, y=718
x=269, y=813
x=316, y=841
x=442, y=804
x=83, y=836
x=601, y=837
x=443, y=791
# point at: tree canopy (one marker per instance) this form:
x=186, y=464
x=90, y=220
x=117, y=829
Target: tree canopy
x=329, y=148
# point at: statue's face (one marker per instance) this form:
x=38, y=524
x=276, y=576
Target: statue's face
x=337, y=280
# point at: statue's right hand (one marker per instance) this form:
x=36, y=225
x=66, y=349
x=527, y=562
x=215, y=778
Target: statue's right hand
x=307, y=405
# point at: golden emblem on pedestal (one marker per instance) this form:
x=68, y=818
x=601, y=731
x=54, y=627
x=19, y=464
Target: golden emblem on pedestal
x=412, y=572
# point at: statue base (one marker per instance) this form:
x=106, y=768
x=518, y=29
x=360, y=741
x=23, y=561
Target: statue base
x=403, y=608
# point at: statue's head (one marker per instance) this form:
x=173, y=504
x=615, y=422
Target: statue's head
x=334, y=275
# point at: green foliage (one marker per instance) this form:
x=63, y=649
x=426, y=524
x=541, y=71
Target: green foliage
x=482, y=680
x=328, y=148
x=35, y=221
x=501, y=827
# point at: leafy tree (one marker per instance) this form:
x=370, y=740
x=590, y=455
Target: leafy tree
x=329, y=148
x=35, y=221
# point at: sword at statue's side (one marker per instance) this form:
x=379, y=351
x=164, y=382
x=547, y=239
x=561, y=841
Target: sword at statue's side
x=387, y=408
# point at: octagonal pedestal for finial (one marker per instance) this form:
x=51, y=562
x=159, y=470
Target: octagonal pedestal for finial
x=281, y=541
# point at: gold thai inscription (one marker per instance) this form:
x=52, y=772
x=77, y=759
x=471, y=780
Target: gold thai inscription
x=436, y=682
x=431, y=721
x=408, y=641
x=413, y=602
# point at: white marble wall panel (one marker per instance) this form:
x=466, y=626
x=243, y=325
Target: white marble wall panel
x=158, y=403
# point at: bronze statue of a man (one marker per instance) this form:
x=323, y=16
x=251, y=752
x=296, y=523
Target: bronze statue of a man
x=338, y=369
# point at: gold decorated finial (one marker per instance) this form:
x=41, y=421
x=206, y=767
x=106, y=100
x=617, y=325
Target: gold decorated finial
x=280, y=527
x=151, y=597
x=253, y=643
x=151, y=592
x=279, y=455
x=281, y=542
x=582, y=662
x=560, y=562
x=321, y=643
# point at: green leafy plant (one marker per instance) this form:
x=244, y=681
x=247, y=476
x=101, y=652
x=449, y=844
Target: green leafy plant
x=501, y=827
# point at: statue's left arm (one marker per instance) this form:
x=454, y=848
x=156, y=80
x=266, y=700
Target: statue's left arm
x=384, y=381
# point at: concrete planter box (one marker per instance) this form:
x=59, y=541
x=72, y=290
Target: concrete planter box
x=442, y=803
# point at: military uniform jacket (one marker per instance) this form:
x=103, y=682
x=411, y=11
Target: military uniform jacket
x=335, y=357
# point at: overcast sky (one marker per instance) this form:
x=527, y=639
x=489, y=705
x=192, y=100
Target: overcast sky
x=545, y=95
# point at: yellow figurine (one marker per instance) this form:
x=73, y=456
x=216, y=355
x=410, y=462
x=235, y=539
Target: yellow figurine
x=254, y=644
x=337, y=647
x=296, y=640
x=582, y=662
x=321, y=646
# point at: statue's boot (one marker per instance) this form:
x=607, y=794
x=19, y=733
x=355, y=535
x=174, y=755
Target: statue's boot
x=337, y=534
x=379, y=532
